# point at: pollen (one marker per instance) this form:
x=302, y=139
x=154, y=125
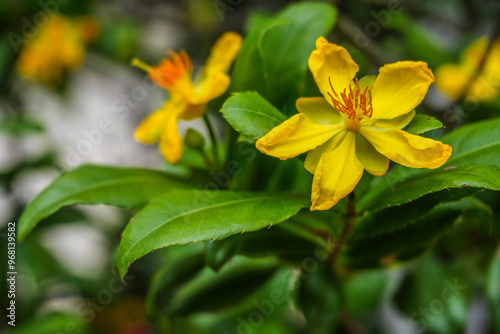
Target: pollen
x=353, y=104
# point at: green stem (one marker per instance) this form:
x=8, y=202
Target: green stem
x=351, y=213
x=206, y=159
x=213, y=139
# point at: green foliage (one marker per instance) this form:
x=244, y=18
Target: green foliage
x=404, y=232
x=209, y=291
x=188, y=216
x=53, y=323
x=286, y=49
x=88, y=184
x=319, y=296
x=476, y=143
x=236, y=248
x=452, y=183
x=422, y=123
x=251, y=115
x=19, y=126
x=273, y=59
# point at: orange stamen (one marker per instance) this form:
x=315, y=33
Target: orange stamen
x=353, y=105
x=170, y=70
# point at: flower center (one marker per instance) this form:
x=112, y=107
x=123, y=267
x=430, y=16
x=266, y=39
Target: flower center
x=169, y=71
x=353, y=105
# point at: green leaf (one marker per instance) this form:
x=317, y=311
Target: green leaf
x=430, y=281
x=422, y=123
x=18, y=126
x=233, y=284
x=286, y=49
x=90, y=184
x=403, y=235
x=365, y=290
x=168, y=278
x=476, y=143
x=286, y=240
x=319, y=296
x=277, y=241
x=452, y=183
x=473, y=144
x=251, y=115
x=218, y=252
x=188, y=216
x=248, y=71
x=274, y=55
x=51, y=323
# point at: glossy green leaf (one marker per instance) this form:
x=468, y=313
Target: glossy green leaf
x=451, y=182
x=89, y=184
x=422, y=123
x=403, y=235
x=188, y=216
x=287, y=47
x=251, y=115
x=211, y=291
x=248, y=71
x=476, y=143
x=473, y=144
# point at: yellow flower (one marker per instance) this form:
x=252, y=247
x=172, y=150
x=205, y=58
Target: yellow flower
x=452, y=79
x=356, y=125
x=188, y=99
x=58, y=46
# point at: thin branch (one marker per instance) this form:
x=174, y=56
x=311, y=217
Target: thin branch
x=346, y=229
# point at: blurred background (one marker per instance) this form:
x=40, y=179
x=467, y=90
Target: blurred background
x=68, y=95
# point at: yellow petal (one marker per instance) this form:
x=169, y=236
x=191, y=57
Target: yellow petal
x=314, y=156
x=395, y=123
x=399, y=88
x=150, y=129
x=338, y=172
x=451, y=79
x=212, y=86
x=318, y=110
x=483, y=88
x=223, y=53
x=474, y=53
x=171, y=140
x=296, y=135
x=331, y=63
x=407, y=149
x=193, y=111
x=374, y=162
x=492, y=64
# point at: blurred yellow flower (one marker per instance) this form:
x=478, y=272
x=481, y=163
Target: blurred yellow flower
x=452, y=79
x=58, y=46
x=356, y=125
x=188, y=98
